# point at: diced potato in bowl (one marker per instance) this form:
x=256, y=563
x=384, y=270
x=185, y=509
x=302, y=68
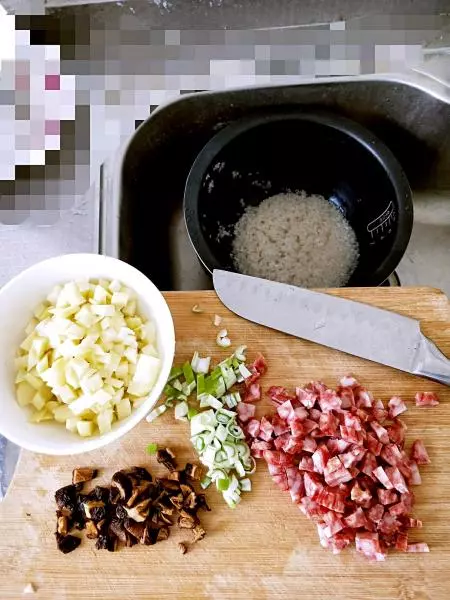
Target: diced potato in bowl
x=93, y=351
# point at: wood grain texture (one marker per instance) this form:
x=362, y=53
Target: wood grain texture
x=265, y=548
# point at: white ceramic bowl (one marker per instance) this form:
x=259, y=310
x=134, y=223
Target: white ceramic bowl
x=19, y=298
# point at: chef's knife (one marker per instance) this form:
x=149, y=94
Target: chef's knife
x=378, y=335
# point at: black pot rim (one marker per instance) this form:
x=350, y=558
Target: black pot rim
x=356, y=131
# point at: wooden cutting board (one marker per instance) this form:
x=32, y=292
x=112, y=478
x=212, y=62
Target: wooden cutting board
x=265, y=548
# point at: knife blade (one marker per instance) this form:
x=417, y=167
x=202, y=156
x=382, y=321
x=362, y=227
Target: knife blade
x=352, y=327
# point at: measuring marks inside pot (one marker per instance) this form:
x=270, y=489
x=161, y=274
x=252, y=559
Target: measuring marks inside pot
x=382, y=225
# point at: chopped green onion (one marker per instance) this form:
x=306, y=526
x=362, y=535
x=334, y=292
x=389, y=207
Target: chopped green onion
x=176, y=383
x=200, y=365
x=192, y=412
x=244, y=371
x=222, y=484
x=188, y=373
x=156, y=412
x=205, y=482
x=222, y=340
x=152, y=448
x=200, y=384
x=239, y=353
x=181, y=410
x=169, y=402
x=245, y=485
x=174, y=373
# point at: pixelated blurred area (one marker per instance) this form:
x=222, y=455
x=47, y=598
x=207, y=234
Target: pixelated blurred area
x=124, y=59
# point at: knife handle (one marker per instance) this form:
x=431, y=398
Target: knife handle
x=431, y=363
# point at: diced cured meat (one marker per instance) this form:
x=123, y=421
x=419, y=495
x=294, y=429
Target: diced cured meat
x=387, y=496
x=419, y=547
x=265, y=429
x=260, y=364
x=306, y=397
x=341, y=456
x=253, y=427
x=328, y=424
x=380, y=432
x=369, y=544
x=245, y=411
x=253, y=393
x=419, y=453
x=382, y=477
x=426, y=399
x=415, y=478
x=286, y=410
x=396, y=406
x=397, y=480
x=329, y=400
x=348, y=381
x=320, y=458
x=280, y=426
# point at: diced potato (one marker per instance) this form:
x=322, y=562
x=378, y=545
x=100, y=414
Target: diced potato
x=41, y=415
x=38, y=401
x=131, y=355
x=20, y=376
x=25, y=393
x=115, y=286
x=71, y=424
x=104, y=420
x=91, y=384
x=65, y=393
x=117, y=397
x=130, y=308
x=150, y=350
x=53, y=296
x=62, y=413
x=85, y=428
x=31, y=326
x=71, y=294
x=123, y=409
x=26, y=344
x=42, y=365
x=116, y=383
x=85, y=316
x=137, y=401
x=33, y=381
x=103, y=310
x=120, y=299
x=52, y=405
x=21, y=362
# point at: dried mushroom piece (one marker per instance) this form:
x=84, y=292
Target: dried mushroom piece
x=67, y=543
x=167, y=458
x=134, y=509
x=83, y=474
x=182, y=547
x=192, y=472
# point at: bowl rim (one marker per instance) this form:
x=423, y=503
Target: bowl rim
x=99, y=441
x=358, y=132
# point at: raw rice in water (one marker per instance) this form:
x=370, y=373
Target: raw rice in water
x=297, y=239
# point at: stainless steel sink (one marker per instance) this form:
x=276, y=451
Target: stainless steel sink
x=142, y=186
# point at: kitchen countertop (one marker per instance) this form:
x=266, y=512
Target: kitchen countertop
x=123, y=69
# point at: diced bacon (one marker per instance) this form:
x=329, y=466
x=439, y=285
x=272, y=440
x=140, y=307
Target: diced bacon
x=347, y=397
x=275, y=469
x=315, y=414
x=301, y=413
x=369, y=544
x=363, y=398
x=397, y=432
x=408, y=500
x=253, y=428
x=388, y=524
x=260, y=445
x=382, y=477
x=328, y=424
x=397, y=480
x=277, y=457
x=309, y=426
x=362, y=415
x=375, y=514
x=245, y=411
x=260, y=364
x=351, y=420
x=280, y=426
x=426, y=399
x=348, y=381
x=281, y=481
x=415, y=478
x=297, y=428
x=419, y=453
x=279, y=441
x=253, y=393
x=374, y=445
x=396, y=406
x=360, y=496
x=380, y=432
x=306, y=397
x=401, y=542
x=391, y=454
x=306, y=464
x=313, y=485
x=295, y=484
x=419, y=547
x=293, y=445
x=265, y=429
x=337, y=446
x=356, y=519
x=336, y=476
x=309, y=444
x=329, y=400
x=398, y=509
x=341, y=540
x=369, y=464
x=353, y=456
x=330, y=500
x=349, y=434
x=334, y=523
x=320, y=458
x=379, y=414
x=257, y=454
x=387, y=496
x=279, y=394
x=286, y=411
